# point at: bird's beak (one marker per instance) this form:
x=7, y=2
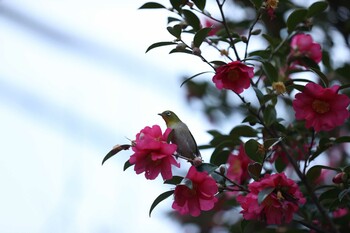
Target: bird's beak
x=160, y=114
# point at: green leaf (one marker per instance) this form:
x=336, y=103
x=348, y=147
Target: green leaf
x=313, y=173
x=254, y=170
x=218, y=63
x=176, y=5
x=317, y=8
x=243, y=131
x=192, y=19
x=343, y=139
x=252, y=150
x=323, y=77
x=127, y=164
x=200, y=4
x=270, y=71
x=181, y=51
x=175, y=180
x=271, y=142
x=172, y=19
x=252, y=120
x=159, y=199
x=159, y=44
x=190, y=78
x=264, y=193
x=114, y=151
x=330, y=194
x=219, y=157
x=200, y=36
x=270, y=115
x=343, y=194
x=256, y=32
x=207, y=167
x=152, y=5
x=175, y=31
x=280, y=165
x=296, y=17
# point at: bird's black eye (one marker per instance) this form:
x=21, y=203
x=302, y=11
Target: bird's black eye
x=168, y=113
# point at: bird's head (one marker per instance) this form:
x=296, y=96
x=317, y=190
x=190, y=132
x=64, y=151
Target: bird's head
x=169, y=117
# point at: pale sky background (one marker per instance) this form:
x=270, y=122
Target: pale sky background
x=75, y=81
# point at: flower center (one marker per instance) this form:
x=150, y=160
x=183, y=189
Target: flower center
x=233, y=75
x=320, y=106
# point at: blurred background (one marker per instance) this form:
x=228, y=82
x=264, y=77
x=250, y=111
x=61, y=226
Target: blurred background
x=74, y=82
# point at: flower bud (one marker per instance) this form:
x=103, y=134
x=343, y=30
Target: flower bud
x=339, y=178
x=196, y=51
x=180, y=47
x=244, y=39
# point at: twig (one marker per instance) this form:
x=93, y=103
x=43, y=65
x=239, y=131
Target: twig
x=226, y=28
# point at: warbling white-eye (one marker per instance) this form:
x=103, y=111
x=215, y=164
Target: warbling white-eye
x=181, y=136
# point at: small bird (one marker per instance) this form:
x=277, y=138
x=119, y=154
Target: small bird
x=181, y=136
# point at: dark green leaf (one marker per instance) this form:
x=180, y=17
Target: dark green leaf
x=175, y=31
x=343, y=139
x=252, y=150
x=323, y=77
x=280, y=165
x=296, y=17
x=219, y=157
x=254, y=170
x=114, y=151
x=175, y=180
x=181, y=51
x=347, y=170
x=243, y=131
x=343, y=194
x=271, y=142
x=218, y=63
x=192, y=19
x=172, y=19
x=259, y=94
x=159, y=44
x=176, y=4
x=330, y=194
x=313, y=173
x=200, y=4
x=256, y=32
x=270, y=71
x=207, y=167
x=200, y=36
x=252, y=120
x=270, y=115
x=264, y=193
x=127, y=164
x=159, y=199
x=317, y=8
x=152, y=5
x=188, y=79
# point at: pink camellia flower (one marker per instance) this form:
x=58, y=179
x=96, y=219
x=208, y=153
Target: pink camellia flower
x=152, y=153
x=196, y=194
x=234, y=76
x=303, y=46
x=282, y=200
x=322, y=108
x=238, y=166
x=215, y=26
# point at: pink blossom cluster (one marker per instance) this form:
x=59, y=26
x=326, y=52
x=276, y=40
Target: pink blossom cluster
x=278, y=206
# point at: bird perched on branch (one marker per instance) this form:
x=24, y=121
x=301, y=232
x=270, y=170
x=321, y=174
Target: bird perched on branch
x=181, y=136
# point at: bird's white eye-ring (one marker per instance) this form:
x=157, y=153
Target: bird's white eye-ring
x=168, y=113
